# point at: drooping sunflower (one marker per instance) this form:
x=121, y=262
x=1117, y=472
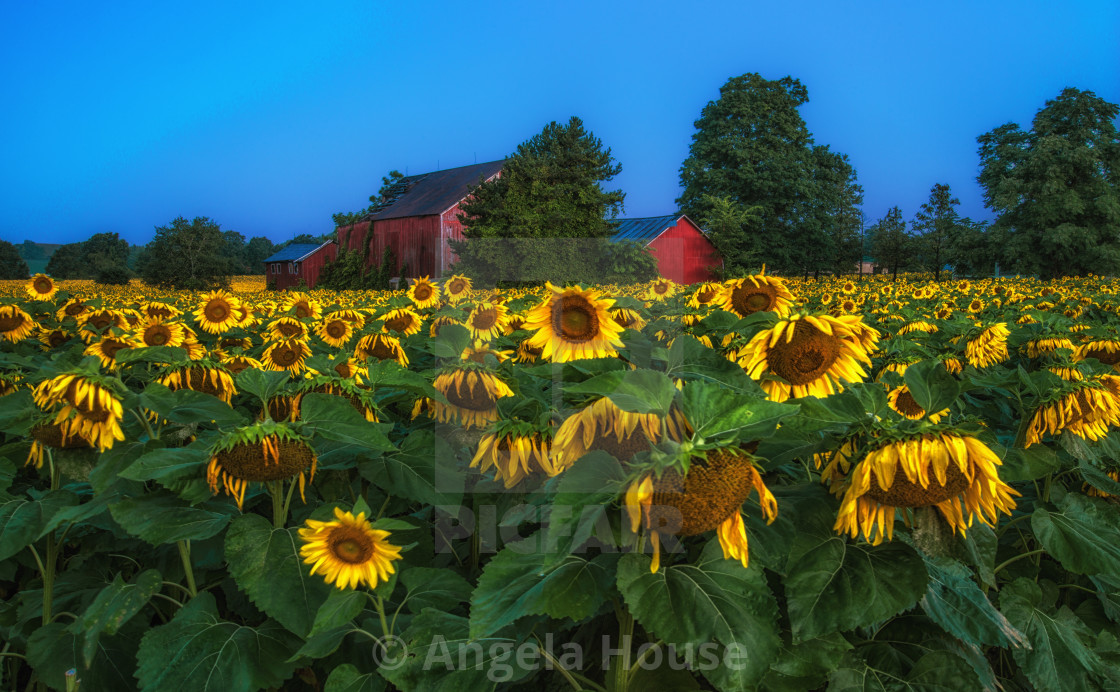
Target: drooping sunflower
x=708, y=497
x=423, y=293
x=487, y=321
x=1087, y=408
x=756, y=293
x=74, y=308
x=335, y=331
x=514, y=455
x=86, y=403
x=441, y=321
x=54, y=338
x=96, y=323
x=402, y=320
x=47, y=435
x=573, y=323
x=527, y=353
x=952, y=471
x=106, y=348
x=602, y=425
x=456, y=288
x=811, y=354
x=902, y=402
x=479, y=350
x=263, y=452
x=989, y=347
x=1107, y=351
x=381, y=347
x=920, y=326
x=472, y=395
x=287, y=329
x=218, y=312
x=206, y=377
x=41, y=287
x=661, y=289
x=286, y=355
x=348, y=551
x=236, y=362
x=1046, y=346
x=15, y=324
x=162, y=333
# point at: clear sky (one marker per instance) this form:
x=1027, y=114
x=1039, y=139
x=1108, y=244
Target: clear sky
x=270, y=116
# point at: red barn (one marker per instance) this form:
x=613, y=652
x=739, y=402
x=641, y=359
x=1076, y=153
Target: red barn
x=684, y=254
x=296, y=262
x=417, y=218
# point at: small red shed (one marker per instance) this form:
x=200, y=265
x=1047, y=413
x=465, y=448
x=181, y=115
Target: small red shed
x=683, y=252
x=299, y=261
x=417, y=218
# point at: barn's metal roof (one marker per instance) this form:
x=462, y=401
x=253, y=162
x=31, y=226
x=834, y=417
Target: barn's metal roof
x=294, y=252
x=643, y=230
x=434, y=193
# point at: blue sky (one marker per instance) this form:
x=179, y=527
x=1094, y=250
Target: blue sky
x=270, y=116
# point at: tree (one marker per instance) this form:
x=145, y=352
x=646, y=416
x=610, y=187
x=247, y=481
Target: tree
x=1055, y=187
x=891, y=246
x=732, y=228
x=30, y=250
x=934, y=225
x=186, y=254
x=12, y=265
x=971, y=248
x=256, y=251
x=103, y=257
x=67, y=262
x=547, y=216
x=752, y=146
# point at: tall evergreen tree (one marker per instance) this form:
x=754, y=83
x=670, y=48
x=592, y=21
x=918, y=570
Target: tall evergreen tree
x=547, y=216
x=891, y=246
x=1056, y=187
x=935, y=226
x=752, y=146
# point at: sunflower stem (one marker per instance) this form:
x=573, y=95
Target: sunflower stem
x=185, y=556
x=1020, y=556
x=288, y=499
x=379, y=604
x=47, y=566
x=279, y=516
x=621, y=666
x=144, y=421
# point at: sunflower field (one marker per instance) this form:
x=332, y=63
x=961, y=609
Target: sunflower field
x=766, y=483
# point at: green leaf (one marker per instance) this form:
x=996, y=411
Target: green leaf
x=53, y=649
x=161, y=517
x=333, y=418
x=263, y=384
x=22, y=521
x=689, y=359
x=954, y=601
x=347, y=678
x=1084, y=536
x=389, y=374
x=322, y=644
x=167, y=463
x=452, y=340
x=339, y=610
x=266, y=564
x=516, y=584
x=1059, y=658
x=937, y=671
x=931, y=385
x=585, y=493
x=430, y=587
x=837, y=586
x=715, y=412
x=1029, y=464
x=199, y=651
x=18, y=412
x=1098, y=478
x=114, y=606
x=186, y=406
x=423, y=470
x=805, y=665
x=644, y=391
x=712, y=599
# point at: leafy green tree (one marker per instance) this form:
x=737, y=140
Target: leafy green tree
x=752, y=146
x=187, y=254
x=256, y=251
x=67, y=262
x=934, y=226
x=1055, y=187
x=972, y=248
x=105, y=256
x=12, y=265
x=547, y=216
x=733, y=229
x=891, y=246
x=30, y=250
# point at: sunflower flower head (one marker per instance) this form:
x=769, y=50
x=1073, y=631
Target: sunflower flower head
x=347, y=551
x=41, y=287
x=218, y=312
x=263, y=452
x=573, y=323
x=15, y=324
x=423, y=293
x=86, y=404
x=758, y=293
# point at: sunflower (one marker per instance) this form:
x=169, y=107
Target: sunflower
x=989, y=348
x=440, y=322
x=47, y=435
x=1047, y=346
x=514, y=456
x=235, y=363
x=98, y=322
x=286, y=355
x=381, y=347
x=811, y=354
x=423, y=293
x=218, y=312
x=478, y=351
x=303, y=306
x=472, y=397
x=402, y=320
x=709, y=496
x=215, y=380
x=918, y=326
x=603, y=425
x=335, y=331
x=348, y=551
x=357, y=319
x=287, y=329
x=15, y=324
x=107, y=347
x=757, y=293
x=573, y=323
x=954, y=472
x=902, y=402
x=195, y=350
x=976, y=306
x=161, y=333
x=263, y=452
x=73, y=308
x=160, y=311
x=54, y=338
x=661, y=289
x=487, y=321
x=527, y=353
x=90, y=408
x=630, y=319
x=1107, y=351
x=456, y=288
x=1088, y=409
x=41, y=287
x=706, y=294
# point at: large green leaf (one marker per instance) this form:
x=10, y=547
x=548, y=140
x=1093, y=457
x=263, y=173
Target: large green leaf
x=263, y=384
x=18, y=412
x=517, y=583
x=347, y=678
x=339, y=610
x=161, y=517
x=954, y=601
x=644, y=391
x=186, y=406
x=584, y=494
x=937, y=671
x=199, y=651
x=266, y=564
x=430, y=587
x=805, y=665
x=931, y=385
x=114, y=606
x=711, y=600
x=838, y=586
x=21, y=521
x=451, y=341
x=423, y=470
x=167, y=463
x=54, y=649
x=1059, y=659
x=715, y=412
x=689, y=359
x=333, y=418
x=1084, y=536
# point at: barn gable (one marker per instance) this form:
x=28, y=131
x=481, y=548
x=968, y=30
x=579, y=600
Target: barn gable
x=296, y=262
x=683, y=252
x=431, y=194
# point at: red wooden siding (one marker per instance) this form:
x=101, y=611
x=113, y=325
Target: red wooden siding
x=285, y=275
x=684, y=253
x=450, y=229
